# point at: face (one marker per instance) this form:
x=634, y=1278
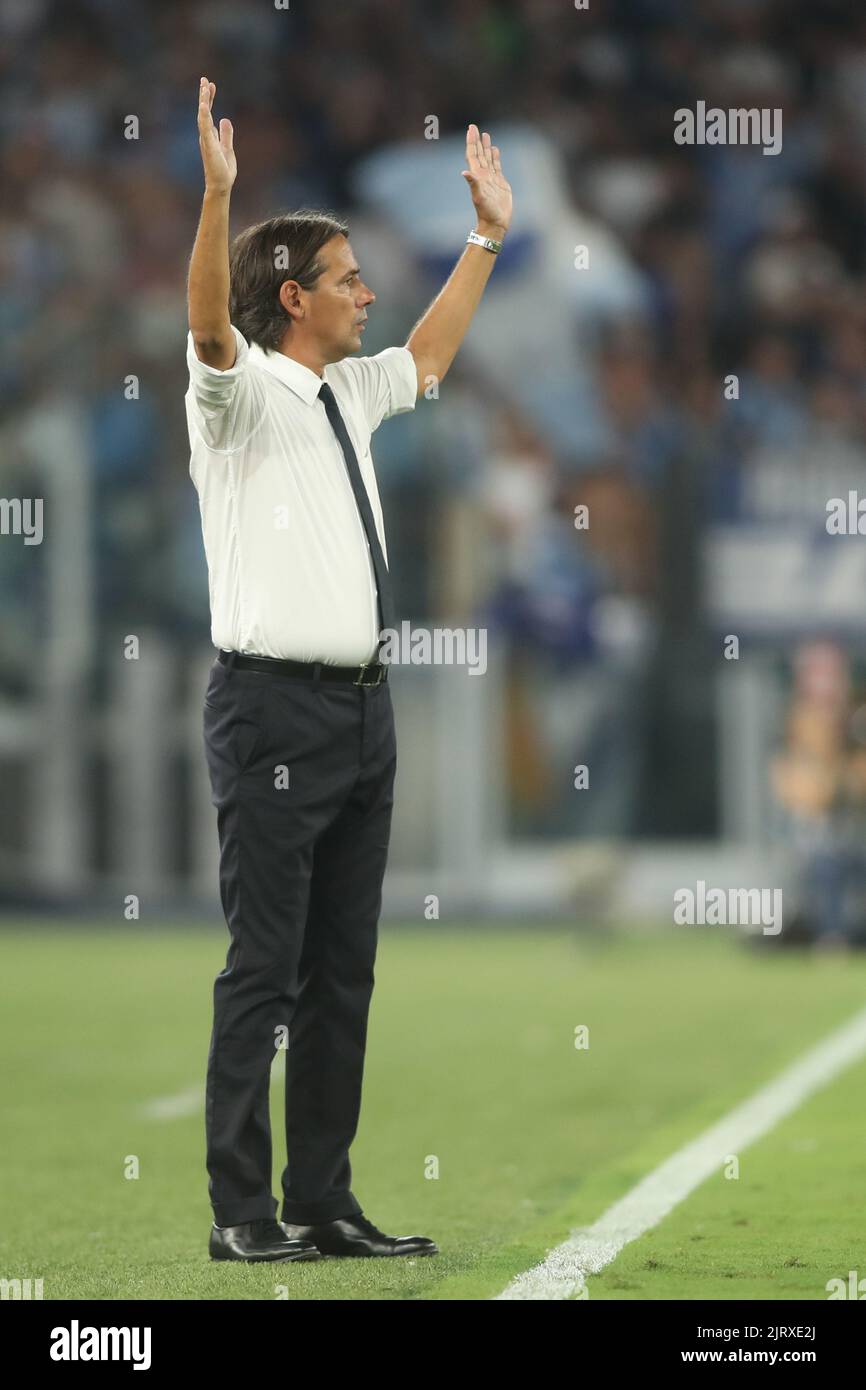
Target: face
x=336, y=308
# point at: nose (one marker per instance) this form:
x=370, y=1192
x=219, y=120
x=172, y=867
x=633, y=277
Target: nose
x=367, y=295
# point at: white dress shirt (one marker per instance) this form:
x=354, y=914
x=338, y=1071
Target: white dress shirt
x=289, y=568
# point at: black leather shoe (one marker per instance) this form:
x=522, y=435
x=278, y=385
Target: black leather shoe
x=258, y=1241
x=355, y=1235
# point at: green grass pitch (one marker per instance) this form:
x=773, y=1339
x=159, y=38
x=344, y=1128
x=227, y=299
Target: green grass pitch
x=470, y=1061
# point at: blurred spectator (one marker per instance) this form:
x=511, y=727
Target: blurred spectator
x=819, y=780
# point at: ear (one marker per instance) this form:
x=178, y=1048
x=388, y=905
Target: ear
x=290, y=298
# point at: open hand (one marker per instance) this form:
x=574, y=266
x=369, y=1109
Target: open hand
x=217, y=152
x=491, y=191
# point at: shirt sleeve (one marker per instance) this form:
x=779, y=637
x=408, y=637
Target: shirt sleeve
x=386, y=384
x=222, y=403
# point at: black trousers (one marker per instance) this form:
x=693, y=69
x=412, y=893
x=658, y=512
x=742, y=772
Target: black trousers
x=302, y=775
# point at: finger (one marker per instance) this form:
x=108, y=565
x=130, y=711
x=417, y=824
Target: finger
x=473, y=148
x=226, y=134
x=205, y=122
x=485, y=148
x=496, y=161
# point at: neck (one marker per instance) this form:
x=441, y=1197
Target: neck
x=307, y=355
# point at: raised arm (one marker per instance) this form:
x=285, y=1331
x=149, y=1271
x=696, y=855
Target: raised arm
x=208, y=283
x=436, y=337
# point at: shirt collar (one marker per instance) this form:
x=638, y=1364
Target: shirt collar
x=303, y=381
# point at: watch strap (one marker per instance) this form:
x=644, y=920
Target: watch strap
x=476, y=239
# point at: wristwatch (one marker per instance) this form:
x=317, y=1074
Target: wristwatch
x=487, y=242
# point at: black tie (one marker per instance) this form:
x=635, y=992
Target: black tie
x=387, y=613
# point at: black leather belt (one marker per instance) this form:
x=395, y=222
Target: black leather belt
x=358, y=675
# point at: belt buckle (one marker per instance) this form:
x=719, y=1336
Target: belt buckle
x=365, y=666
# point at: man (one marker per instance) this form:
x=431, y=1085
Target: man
x=298, y=722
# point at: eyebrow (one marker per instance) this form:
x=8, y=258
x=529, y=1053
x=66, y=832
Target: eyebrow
x=354, y=271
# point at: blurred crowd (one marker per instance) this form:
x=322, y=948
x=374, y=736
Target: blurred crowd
x=750, y=265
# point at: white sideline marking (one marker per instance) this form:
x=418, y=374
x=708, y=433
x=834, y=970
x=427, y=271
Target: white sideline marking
x=175, y=1107
x=588, y=1249
x=191, y=1101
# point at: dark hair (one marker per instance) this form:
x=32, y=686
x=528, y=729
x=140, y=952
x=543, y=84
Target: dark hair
x=256, y=273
